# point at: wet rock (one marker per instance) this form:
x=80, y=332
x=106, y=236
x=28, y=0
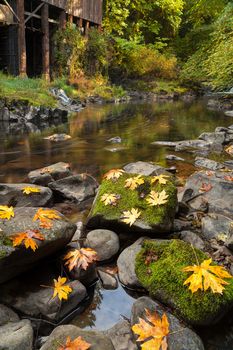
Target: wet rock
x=7, y=315
x=121, y=336
x=105, y=242
x=192, y=238
x=229, y=113
x=164, y=143
x=229, y=164
x=13, y=261
x=126, y=265
x=86, y=277
x=12, y=194
x=213, y=137
x=180, y=338
x=76, y=188
x=108, y=281
x=58, y=137
x=144, y=168
x=116, y=139
x=79, y=234
x=180, y=225
x=16, y=336
x=175, y=158
x=208, y=163
x=216, y=226
x=192, y=144
x=50, y=173
x=97, y=340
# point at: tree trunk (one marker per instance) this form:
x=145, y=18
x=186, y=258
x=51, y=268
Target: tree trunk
x=21, y=40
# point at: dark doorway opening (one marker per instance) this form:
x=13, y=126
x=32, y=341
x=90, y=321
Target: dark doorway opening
x=34, y=54
x=8, y=49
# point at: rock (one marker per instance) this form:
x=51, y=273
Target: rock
x=16, y=336
x=7, y=315
x=126, y=265
x=116, y=148
x=153, y=220
x=79, y=233
x=219, y=196
x=229, y=164
x=50, y=173
x=76, y=188
x=14, y=261
x=229, y=113
x=216, y=226
x=180, y=338
x=121, y=336
x=97, y=340
x=172, y=157
x=105, y=242
x=163, y=277
x=213, y=137
x=208, y=163
x=116, y=139
x=86, y=277
x=108, y=281
x=58, y=137
x=192, y=145
x=144, y=168
x=192, y=238
x=13, y=194
x=164, y=143
x=180, y=225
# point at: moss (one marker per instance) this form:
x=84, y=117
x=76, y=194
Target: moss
x=136, y=199
x=163, y=278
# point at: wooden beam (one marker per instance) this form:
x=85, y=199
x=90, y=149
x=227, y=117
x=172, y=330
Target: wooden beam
x=62, y=19
x=45, y=42
x=33, y=12
x=21, y=39
x=39, y=17
x=87, y=27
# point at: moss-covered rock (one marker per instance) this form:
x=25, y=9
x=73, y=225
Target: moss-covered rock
x=153, y=219
x=159, y=267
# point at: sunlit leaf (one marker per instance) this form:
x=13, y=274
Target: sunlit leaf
x=161, y=179
x=130, y=216
x=29, y=190
x=157, y=198
x=80, y=258
x=133, y=182
x=45, y=216
x=205, y=276
x=76, y=344
x=113, y=174
x=45, y=171
x=27, y=238
x=6, y=212
x=60, y=289
x=228, y=178
x=110, y=198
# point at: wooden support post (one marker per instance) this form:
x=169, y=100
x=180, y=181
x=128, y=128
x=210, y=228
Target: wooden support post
x=87, y=26
x=45, y=42
x=70, y=19
x=99, y=27
x=21, y=40
x=62, y=19
x=80, y=23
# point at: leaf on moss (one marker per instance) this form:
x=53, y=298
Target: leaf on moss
x=27, y=238
x=205, y=187
x=154, y=332
x=60, y=289
x=110, y=198
x=76, y=344
x=28, y=190
x=6, y=212
x=205, y=276
x=133, y=182
x=157, y=198
x=113, y=174
x=161, y=179
x=45, y=216
x=130, y=216
x=81, y=258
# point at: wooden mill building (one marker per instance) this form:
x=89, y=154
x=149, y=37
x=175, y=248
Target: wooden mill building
x=27, y=27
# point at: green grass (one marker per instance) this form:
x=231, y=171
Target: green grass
x=157, y=86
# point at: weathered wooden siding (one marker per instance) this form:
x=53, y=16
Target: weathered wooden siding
x=5, y=15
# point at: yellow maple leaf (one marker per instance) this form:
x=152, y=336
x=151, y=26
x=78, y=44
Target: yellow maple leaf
x=154, y=332
x=133, y=182
x=205, y=276
x=76, y=344
x=45, y=216
x=162, y=179
x=27, y=238
x=229, y=150
x=130, y=216
x=29, y=190
x=60, y=289
x=157, y=198
x=113, y=174
x=81, y=258
x=6, y=212
x=110, y=198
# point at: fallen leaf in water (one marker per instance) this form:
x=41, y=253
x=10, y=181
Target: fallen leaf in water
x=205, y=187
x=27, y=238
x=228, y=178
x=161, y=179
x=60, y=289
x=80, y=258
x=29, y=190
x=157, y=198
x=45, y=216
x=130, y=216
x=110, y=198
x=76, y=344
x=205, y=276
x=133, y=182
x=113, y=174
x=6, y=212
x=154, y=332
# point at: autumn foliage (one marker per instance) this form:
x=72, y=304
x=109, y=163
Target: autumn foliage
x=46, y=217
x=28, y=238
x=80, y=258
x=76, y=344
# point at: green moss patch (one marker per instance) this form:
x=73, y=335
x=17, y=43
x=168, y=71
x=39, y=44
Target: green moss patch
x=159, y=268
x=151, y=215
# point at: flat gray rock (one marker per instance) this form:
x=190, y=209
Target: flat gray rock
x=208, y=163
x=145, y=168
x=192, y=238
x=121, y=336
x=49, y=173
x=216, y=226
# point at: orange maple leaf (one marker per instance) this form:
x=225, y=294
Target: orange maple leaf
x=205, y=187
x=228, y=178
x=45, y=216
x=154, y=332
x=81, y=258
x=45, y=171
x=27, y=238
x=76, y=344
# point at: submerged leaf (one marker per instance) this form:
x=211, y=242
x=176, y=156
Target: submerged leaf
x=157, y=198
x=60, y=289
x=81, y=258
x=133, y=182
x=130, y=216
x=6, y=212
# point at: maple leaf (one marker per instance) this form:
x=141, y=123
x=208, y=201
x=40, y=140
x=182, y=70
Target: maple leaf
x=110, y=198
x=45, y=216
x=76, y=344
x=133, y=182
x=29, y=190
x=113, y=174
x=205, y=187
x=45, y=171
x=6, y=212
x=228, y=178
x=162, y=179
x=81, y=258
x=157, y=198
x=205, y=276
x=154, y=332
x=26, y=238
x=130, y=216
x=60, y=289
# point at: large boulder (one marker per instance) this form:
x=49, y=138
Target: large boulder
x=59, y=336
x=14, y=194
x=213, y=137
x=14, y=260
x=153, y=219
x=159, y=268
x=76, y=188
x=50, y=173
x=180, y=337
